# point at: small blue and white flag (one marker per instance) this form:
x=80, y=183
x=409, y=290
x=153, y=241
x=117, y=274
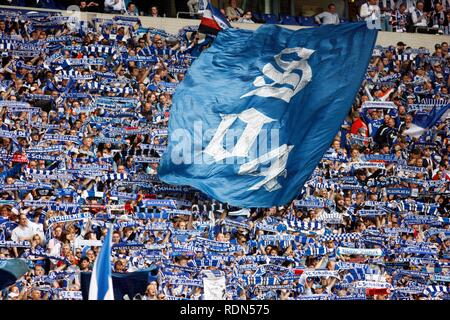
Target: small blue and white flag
x=258, y=110
x=213, y=21
x=424, y=120
x=101, y=287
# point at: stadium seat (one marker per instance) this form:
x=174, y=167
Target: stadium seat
x=271, y=18
x=307, y=21
x=258, y=16
x=289, y=20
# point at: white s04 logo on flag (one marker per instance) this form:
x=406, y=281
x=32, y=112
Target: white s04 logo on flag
x=284, y=85
x=294, y=82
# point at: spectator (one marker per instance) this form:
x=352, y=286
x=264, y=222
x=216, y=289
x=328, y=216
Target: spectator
x=419, y=17
x=328, y=17
x=132, y=10
x=370, y=11
x=437, y=17
x=154, y=12
x=399, y=19
x=387, y=8
x=115, y=6
x=447, y=23
x=193, y=6
x=233, y=12
x=246, y=18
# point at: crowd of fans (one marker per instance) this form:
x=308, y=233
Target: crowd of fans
x=424, y=16
x=83, y=122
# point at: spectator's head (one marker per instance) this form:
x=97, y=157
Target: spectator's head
x=35, y=294
x=437, y=6
x=151, y=290
x=116, y=237
x=121, y=169
x=84, y=263
x=332, y=8
x=247, y=15
x=159, y=43
x=131, y=7
x=154, y=11
x=419, y=5
x=23, y=220
x=118, y=266
x=373, y=2
x=401, y=45
x=141, y=43
x=233, y=3
x=402, y=7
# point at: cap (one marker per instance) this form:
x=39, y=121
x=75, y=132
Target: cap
x=401, y=44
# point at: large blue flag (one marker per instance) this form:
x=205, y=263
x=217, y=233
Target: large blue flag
x=257, y=110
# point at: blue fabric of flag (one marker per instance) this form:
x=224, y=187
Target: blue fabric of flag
x=283, y=93
x=103, y=266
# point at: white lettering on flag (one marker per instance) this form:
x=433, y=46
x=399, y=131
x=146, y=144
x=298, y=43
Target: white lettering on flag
x=288, y=77
x=254, y=120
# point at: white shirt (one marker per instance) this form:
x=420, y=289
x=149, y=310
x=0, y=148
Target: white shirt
x=418, y=18
x=410, y=4
x=243, y=20
x=327, y=18
x=369, y=12
x=54, y=247
x=112, y=5
x=21, y=233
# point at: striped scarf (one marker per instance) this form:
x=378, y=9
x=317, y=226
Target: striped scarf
x=404, y=57
x=428, y=209
x=115, y=177
x=258, y=280
x=316, y=251
x=434, y=290
x=340, y=237
x=300, y=225
x=356, y=274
